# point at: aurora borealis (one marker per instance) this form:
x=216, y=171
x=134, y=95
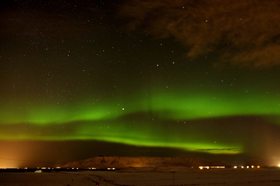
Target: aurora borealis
x=96, y=71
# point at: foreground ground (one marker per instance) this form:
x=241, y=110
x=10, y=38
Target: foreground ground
x=266, y=177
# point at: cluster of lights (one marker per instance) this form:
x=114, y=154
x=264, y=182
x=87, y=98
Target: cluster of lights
x=111, y=168
x=47, y=168
x=73, y=168
x=41, y=168
x=246, y=167
x=235, y=167
x=211, y=167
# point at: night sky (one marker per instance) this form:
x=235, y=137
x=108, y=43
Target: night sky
x=154, y=78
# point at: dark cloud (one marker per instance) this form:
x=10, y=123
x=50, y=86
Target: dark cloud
x=244, y=32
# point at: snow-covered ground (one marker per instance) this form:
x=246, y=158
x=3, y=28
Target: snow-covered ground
x=181, y=177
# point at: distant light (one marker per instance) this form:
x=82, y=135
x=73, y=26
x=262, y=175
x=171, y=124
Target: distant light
x=252, y=166
x=242, y=167
x=38, y=171
x=111, y=168
x=203, y=167
x=217, y=167
x=258, y=167
x=58, y=167
x=247, y=167
x=235, y=167
x=278, y=165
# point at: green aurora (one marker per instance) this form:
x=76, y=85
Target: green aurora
x=167, y=105
x=114, y=122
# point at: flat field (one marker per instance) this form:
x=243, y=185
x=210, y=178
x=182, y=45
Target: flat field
x=179, y=177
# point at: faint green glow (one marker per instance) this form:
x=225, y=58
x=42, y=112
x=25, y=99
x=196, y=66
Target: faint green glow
x=150, y=135
x=196, y=147
x=197, y=105
x=57, y=114
x=193, y=105
x=144, y=135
